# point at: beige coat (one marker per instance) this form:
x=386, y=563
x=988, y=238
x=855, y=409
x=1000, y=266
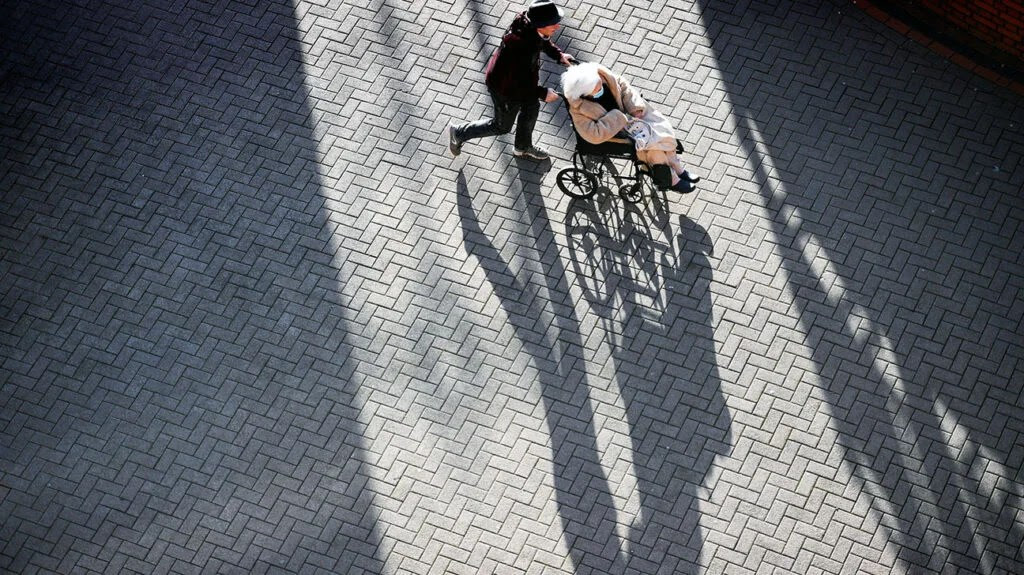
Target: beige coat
x=597, y=125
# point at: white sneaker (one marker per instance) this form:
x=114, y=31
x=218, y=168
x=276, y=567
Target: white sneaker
x=532, y=152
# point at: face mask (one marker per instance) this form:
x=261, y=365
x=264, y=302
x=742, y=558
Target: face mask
x=599, y=93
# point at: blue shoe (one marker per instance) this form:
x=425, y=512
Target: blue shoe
x=683, y=186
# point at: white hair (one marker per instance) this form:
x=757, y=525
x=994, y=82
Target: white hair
x=580, y=80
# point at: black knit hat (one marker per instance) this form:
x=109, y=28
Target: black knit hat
x=543, y=13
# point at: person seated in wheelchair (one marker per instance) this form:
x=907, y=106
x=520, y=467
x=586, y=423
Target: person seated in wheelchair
x=604, y=108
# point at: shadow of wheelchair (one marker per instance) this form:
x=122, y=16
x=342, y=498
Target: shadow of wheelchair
x=649, y=280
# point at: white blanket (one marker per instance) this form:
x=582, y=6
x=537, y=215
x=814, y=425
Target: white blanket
x=652, y=132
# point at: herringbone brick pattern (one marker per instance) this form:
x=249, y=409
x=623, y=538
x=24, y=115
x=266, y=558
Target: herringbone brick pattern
x=255, y=319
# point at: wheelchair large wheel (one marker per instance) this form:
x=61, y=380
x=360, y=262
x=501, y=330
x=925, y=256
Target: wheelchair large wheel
x=576, y=183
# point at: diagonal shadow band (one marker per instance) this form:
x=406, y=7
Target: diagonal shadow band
x=889, y=401
x=177, y=382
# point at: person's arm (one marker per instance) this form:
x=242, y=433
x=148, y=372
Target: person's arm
x=599, y=129
x=549, y=48
x=553, y=52
x=633, y=103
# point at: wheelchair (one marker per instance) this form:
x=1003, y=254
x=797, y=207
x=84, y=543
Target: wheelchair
x=590, y=162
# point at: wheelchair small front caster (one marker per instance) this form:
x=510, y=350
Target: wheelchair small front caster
x=633, y=193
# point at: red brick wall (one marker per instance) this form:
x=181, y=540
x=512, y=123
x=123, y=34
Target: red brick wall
x=999, y=24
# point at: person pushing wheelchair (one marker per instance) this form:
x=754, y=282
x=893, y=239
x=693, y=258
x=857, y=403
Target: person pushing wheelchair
x=513, y=80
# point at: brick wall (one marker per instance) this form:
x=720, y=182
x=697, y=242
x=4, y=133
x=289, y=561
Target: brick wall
x=999, y=24
x=989, y=34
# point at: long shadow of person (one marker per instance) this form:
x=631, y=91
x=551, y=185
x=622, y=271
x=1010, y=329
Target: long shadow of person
x=536, y=302
x=658, y=323
x=651, y=287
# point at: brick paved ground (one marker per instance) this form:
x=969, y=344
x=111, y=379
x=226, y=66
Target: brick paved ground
x=256, y=320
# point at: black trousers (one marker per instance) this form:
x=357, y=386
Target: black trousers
x=506, y=113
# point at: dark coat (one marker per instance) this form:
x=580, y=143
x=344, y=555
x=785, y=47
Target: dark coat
x=513, y=72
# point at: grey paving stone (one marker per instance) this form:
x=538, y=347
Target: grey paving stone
x=256, y=319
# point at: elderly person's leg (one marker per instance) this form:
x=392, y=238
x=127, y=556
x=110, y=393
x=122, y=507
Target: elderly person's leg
x=658, y=157
x=681, y=180
x=676, y=163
